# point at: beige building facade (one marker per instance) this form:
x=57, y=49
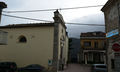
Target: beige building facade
x=38, y=43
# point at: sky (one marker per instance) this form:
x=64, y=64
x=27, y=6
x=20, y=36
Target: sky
x=83, y=15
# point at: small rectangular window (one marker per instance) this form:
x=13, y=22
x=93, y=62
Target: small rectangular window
x=87, y=44
x=3, y=37
x=112, y=63
x=96, y=44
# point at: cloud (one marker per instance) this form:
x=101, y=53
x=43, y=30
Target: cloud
x=75, y=30
x=21, y=5
x=14, y=4
x=93, y=19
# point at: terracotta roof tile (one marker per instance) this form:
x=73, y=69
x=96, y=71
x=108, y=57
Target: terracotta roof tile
x=93, y=34
x=27, y=25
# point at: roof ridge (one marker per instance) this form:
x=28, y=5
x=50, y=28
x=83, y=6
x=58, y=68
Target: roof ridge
x=27, y=25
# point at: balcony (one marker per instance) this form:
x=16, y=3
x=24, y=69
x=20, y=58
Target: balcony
x=94, y=48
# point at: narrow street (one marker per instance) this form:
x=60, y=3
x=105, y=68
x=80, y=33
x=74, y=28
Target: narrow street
x=77, y=68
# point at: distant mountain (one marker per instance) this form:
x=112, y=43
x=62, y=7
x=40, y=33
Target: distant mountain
x=75, y=30
x=75, y=49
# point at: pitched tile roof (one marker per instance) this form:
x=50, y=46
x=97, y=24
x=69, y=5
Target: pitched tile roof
x=93, y=34
x=27, y=25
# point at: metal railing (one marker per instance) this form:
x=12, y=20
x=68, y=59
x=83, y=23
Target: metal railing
x=94, y=48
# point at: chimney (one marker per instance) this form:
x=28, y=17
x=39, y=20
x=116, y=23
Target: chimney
x=2, y=6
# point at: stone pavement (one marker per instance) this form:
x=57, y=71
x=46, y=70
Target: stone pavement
x=77, y=68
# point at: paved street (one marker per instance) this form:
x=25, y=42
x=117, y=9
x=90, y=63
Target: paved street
x=77, y=68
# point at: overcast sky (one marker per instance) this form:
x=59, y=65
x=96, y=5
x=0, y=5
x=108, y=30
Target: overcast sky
x=86, y=15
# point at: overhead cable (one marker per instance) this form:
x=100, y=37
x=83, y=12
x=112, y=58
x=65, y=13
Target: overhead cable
x=52, y=9
x=85, y=24
x=52, y=21
x=26, y=18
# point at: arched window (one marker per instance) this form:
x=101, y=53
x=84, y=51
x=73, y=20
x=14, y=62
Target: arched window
x=22, y=39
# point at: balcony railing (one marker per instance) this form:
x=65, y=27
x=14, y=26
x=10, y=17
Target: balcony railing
x=94, y=48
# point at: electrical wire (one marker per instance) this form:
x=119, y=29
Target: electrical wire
x=85, y=24
x=52, y=9
x=52, y=21
x=25, y=18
